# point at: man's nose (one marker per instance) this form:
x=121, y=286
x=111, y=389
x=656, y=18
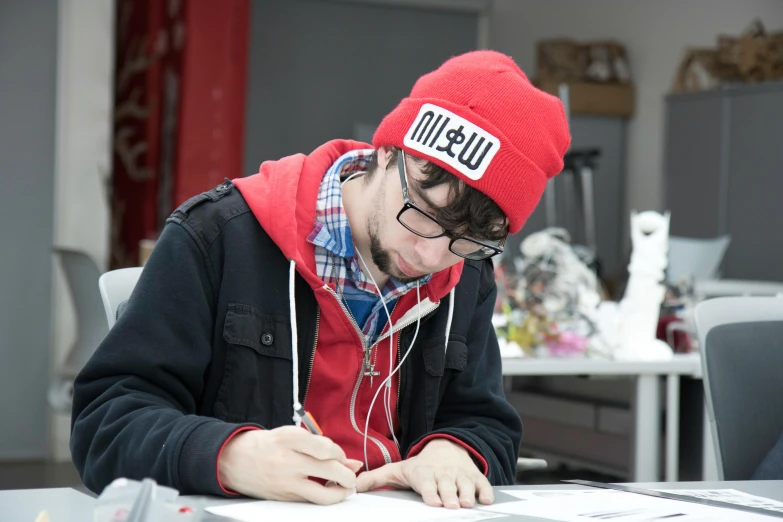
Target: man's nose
x=432, y=251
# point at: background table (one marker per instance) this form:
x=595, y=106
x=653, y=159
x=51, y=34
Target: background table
x=646, y=404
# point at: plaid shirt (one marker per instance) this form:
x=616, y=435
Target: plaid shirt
x=336, y=261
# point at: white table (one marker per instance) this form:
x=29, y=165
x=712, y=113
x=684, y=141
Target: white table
x=68, y=505
x=62, y=504
x=728, y=287
x=646, y=403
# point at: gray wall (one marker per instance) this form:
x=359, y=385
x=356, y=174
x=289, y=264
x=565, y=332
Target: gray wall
x=28, y=46
x=320, y=68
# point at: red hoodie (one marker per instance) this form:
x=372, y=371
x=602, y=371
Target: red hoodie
x=338, y=394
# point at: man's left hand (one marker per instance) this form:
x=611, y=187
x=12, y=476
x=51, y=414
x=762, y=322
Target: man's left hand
x=443, y=473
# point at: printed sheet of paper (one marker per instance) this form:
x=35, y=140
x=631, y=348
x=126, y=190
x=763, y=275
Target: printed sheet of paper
x=731, y=496
x=544, y=494
x=368, y=508
x=617, y=506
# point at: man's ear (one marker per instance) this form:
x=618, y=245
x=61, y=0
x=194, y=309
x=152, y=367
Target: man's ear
x=384, y=157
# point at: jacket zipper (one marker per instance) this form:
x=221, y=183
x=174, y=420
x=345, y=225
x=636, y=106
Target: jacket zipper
x=312, y=357
x=386, y=456
x=397, y=328
x=399, y=352
x=399, y=384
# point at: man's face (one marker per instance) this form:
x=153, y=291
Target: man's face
x=395, y=250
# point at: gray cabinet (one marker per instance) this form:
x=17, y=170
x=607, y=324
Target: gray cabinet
x=693, y=144
x=724, y=174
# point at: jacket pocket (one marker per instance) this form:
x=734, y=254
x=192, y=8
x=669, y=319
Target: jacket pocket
x=438, y=368
x=267, y=335
x=257, y=380
x=456, y=357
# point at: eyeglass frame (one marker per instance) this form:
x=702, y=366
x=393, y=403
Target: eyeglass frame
x=409, y=204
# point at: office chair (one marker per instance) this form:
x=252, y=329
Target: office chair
x=741, y=340
x=81, y=278
x=116, y=287
x=528, y=464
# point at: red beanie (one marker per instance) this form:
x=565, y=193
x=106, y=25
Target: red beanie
x=480, y=118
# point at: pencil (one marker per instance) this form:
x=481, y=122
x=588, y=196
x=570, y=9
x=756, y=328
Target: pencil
x=309, y=422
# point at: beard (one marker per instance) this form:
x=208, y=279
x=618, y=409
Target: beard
x=380, y=256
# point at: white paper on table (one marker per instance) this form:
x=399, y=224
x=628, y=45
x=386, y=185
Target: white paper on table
x=361, y=507
x=541, y=494
x=617, y=506
x=731, y=496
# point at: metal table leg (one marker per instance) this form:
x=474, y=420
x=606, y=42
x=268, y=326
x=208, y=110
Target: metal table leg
x=645, y=452
x=672, y=427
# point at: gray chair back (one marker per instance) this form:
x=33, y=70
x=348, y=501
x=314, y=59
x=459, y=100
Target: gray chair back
x=116, y=287
x=81, y=278
x=741, y=342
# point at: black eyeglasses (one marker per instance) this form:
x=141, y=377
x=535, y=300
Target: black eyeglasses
x=422, y=224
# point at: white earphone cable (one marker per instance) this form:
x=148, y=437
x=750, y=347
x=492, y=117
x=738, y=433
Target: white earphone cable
x=387, y=392
x=388, y=379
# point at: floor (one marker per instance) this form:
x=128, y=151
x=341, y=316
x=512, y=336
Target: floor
x=30, y=475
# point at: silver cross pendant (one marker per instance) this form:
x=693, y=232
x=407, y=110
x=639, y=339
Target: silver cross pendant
x=370, y=372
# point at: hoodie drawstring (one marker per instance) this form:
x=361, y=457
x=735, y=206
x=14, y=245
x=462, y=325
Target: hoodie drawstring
x=294, y=342
x=448, y=321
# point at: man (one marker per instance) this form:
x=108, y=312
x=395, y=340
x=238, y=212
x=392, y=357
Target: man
x=353, y=285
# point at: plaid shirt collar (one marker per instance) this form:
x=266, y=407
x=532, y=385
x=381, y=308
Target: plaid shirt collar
x=335, y=257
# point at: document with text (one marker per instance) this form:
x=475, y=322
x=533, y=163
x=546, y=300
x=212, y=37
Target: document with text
x=615, y=506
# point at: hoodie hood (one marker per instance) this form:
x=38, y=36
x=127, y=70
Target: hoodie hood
x=283, y=195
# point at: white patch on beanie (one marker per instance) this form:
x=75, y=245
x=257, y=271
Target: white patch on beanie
x=441, y=134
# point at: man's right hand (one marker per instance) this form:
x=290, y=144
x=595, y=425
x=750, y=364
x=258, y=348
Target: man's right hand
x=275, y=465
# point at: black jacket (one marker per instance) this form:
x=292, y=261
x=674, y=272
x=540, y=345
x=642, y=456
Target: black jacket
x=184, y=367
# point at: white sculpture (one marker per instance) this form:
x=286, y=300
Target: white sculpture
x=639, y=310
